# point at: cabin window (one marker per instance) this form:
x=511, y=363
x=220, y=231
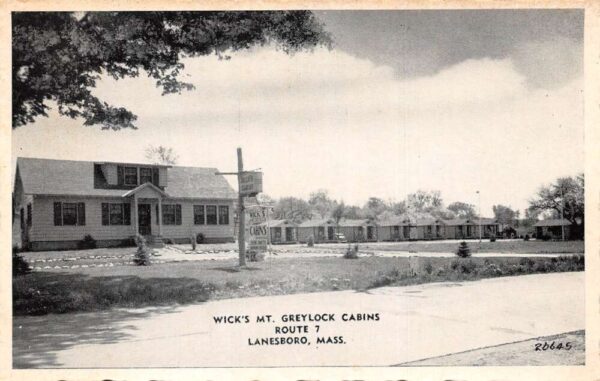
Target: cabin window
x=198, y=214
x=211, y=214
x=171, y=214
x=69, y=213
x=145, y=175
x=116, y=214
x=130, y=176
x=223, y=215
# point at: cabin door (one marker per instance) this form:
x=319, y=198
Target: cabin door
x=144, y=219
x=330, y=233
x=289, y=234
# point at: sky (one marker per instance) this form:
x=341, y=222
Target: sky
x=455, y=101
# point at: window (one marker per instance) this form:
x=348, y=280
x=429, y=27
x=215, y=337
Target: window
x=199, y=215
x=145, y=175
x=116, y=214
x=28, y=214
x=211, y=214
x=223, y=215
x=130, y=176
x=171, y=214
x=69, y=213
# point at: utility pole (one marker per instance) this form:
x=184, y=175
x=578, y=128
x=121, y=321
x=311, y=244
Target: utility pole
x=562, y=213
x=479, y=194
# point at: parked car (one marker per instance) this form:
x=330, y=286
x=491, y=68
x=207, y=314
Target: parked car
x=341, y=238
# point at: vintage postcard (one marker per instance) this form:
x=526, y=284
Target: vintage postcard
x=300, y=191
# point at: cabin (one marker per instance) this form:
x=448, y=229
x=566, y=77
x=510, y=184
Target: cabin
x=59, y=202
x=322, y=230
x=283, y=231
x=394, y=229
x=362, y=230
x=429, y=228
x=462, y=228
x=553, y=229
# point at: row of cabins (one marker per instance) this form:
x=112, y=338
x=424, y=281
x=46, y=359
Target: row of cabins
x=395, y=229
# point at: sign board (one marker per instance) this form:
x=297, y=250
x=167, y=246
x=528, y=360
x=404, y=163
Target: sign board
x=258, y=228
x=250, y=183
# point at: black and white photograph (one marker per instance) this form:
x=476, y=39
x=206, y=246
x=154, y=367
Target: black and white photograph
x=300, y=188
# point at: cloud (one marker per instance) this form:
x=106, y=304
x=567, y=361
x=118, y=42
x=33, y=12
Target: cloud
x=330, y=120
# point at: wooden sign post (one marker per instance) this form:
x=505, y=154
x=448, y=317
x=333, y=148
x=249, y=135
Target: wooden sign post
x=249, y=185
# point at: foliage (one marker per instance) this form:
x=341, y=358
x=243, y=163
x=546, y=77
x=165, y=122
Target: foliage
x=20, y=266
x=504, y=214
x=292, y=208
x=142, y=255
x=88, y=242
x=59, y=56
x=200, y=238
x=424, y=201
x=311, y=241
x=193, y=241
x=338, y=212
x=565, y=196
x=351, y=252
x=463, y=250
x=255, y=256
x=463, y=210
x=161, y=155
x=321, y=203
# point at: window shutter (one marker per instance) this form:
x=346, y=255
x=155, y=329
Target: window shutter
x=120, y=175
x=127, y=214
x=105, y=214
x=57, y=214
x=177, y=214
x=155, y=176
x=80, y=213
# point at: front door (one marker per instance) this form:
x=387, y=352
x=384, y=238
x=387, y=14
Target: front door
x=330, y=233
x=144, y=219
x=289, y=234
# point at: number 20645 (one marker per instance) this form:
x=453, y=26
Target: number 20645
x=553, y=346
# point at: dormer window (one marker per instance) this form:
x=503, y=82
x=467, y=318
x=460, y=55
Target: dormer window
x=145, y=175
x=130, y=176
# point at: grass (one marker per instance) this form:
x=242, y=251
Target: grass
x=93, y=289
x=500, y=246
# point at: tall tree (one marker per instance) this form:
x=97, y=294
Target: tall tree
x=462, y=209
x=374, y=207
x=563, y=197
x=422, y=202
x=338, y=212
x=504, y=214
x=161, y=155
x=292, y=208
x=59, y=56
x=321, y=203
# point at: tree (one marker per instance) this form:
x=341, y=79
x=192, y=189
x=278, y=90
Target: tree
x=321, y=203
x=374, y=207
x=462, y=210
x=563, y=197
x=338, y=212
x=292, y=208
x=504, y=214
x=161, y=155
x=59, y=56
x=423, y=201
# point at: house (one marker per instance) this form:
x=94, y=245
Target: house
x=396, y=228
x=463, y=228
x=358, y=230
x=553, y=229
x=429, y=228
x=322, y=230
x=61, y=201
x=283, y=231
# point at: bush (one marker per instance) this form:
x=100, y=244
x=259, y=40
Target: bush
x=19, y=265
x=88, y=242
x=463, y=250
x=493, y=239
x=200, y=238
x=526, y=237
x=492, y=269
x=428, y=268
x=193, y=241
x=254, y=256
x=545, y=237
x=526, y=262
x=142, y=255
x=311, y=241
x=127, y=242
x=351, y=252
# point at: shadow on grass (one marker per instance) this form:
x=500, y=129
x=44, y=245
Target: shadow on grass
x=236, y=269
x=37, y=339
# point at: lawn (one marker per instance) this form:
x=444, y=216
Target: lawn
x=500, y=246
x=92, y=289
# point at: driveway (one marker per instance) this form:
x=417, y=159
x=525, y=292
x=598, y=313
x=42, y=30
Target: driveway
x=413, y=323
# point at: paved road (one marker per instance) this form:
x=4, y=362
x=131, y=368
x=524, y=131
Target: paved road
x=414, y=323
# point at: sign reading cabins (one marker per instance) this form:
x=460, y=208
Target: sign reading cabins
x=258, y=228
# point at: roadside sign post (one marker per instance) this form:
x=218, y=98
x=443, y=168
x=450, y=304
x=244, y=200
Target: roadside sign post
x=249, y=185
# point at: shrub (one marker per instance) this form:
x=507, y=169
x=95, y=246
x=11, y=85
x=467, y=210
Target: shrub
x=493, y=239
x=193, y=241
x=467, y=267
x=351, y=252
x=463, y=250
x=142, y=255
x=88, y=242
x=428, y=268
x=545, y=237
x=526, y=237
x=254, y=256
x=526, y=262
x=127, y=242
x=492, y=269
x=20, y=266
x=200, y=238
x=311, y=241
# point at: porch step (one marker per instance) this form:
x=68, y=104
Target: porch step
x=155, y=241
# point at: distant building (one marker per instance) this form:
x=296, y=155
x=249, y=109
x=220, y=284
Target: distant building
x=552, y=229
x=361, y=230
x=283, y=231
